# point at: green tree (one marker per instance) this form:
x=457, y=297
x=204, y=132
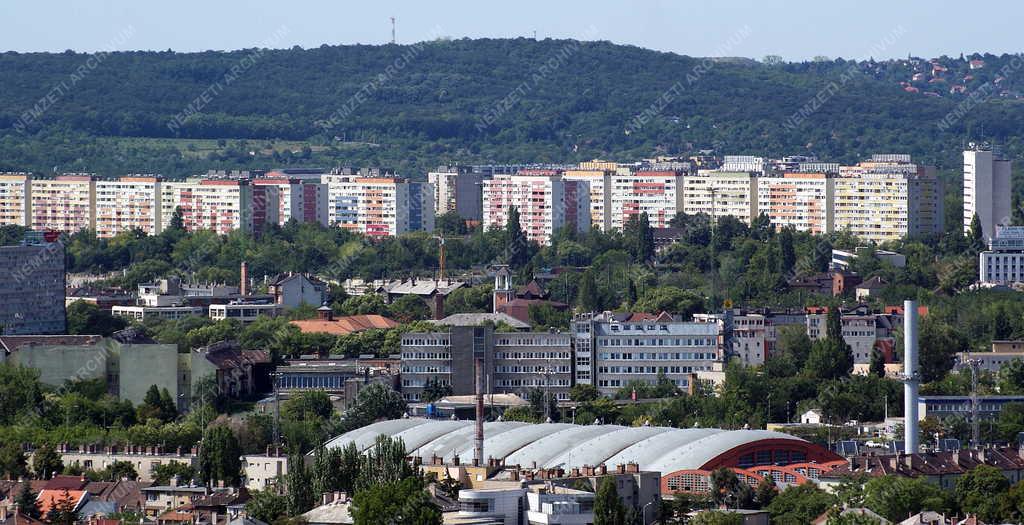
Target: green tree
x=435, y=389
x=588, y=298
x=309, y=405
x=877, y=366
x=162, y=474
x=12, y=461
x=582, y=393
x=409, y=308
x=298, y=486
x=401, y=501
x=88, y=319
x=795, y=343
x=266, y=505
x=608, y=506
x=717, y=517
x=383, y=463
x=981, y=491
x=786, y=251
x=62, y=512
x=219, y=456
x=374, y=402
x=1011, y=377
x=728, y=490
x=765, y=492
x=518, y=247
x=896, y=497
x=640, y=237
x=27, y=501
x=976, y=234
x=798, y=505
x=46, y=461
x=1013, y=504
x=939, y=345
x=669, y=299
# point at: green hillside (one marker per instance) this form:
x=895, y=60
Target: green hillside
x=519, y=100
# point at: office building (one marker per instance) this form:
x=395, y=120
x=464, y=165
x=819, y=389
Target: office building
x=127, y=204
x=1003, y=262
x=513, y=363
x=32, y=293
x=987, y=189
x=612, y=349
x=545, y=201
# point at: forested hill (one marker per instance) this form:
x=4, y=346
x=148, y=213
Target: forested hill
x=516, y=100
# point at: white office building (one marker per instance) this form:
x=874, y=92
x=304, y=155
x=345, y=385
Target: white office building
x=986, y=189
x=1003, y=262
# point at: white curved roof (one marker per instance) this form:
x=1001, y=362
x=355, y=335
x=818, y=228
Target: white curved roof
x=698, y=452
x=503, y=445
x=552, y=445
x=597, y=450
x=448, y=445
x=648, y=450
x=543, y=450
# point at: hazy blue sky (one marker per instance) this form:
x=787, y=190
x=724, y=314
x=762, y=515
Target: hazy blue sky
x=796, y=29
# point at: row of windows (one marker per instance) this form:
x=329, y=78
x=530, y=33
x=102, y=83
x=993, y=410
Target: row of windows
x=532, y=355
x=652, y=356
x=539, y=369
x=656, y=341
x=645, y=369
x=416, y=341
x=442, y=356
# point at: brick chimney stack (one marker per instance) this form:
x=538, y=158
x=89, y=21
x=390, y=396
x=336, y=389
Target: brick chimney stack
x=243, y=281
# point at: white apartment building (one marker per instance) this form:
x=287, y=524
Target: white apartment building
x=1003, y=262
x=721, y=194
x=987, y=190
x=15, y=209
x=128, y=203
x=66, y=203
x=219, y=205
x=657, y=193
x=600, y=183
x=882, y=201
x=378, y=206
x=749, y=336
x=747, y=163
x=545, y=204
x=803, y=201
x=860, y=331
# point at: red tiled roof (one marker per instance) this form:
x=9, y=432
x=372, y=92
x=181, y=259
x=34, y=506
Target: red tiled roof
x=49, y=497
x=60, y=481
x=345, y=325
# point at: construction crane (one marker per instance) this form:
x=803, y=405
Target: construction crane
x=440, y=258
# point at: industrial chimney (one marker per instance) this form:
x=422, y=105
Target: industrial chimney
x=910, y=377
x=243, y=281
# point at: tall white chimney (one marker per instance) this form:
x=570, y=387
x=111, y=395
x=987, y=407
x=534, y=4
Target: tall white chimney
x=910, y=377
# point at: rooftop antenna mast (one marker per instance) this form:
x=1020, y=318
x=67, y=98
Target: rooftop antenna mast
x=392, y=30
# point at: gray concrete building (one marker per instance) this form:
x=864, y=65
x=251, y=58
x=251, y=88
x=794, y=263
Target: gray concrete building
x=513, y=362
x=32, y=289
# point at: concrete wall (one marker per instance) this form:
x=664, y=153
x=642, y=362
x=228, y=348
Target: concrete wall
x=59, y=363
x=142, y=366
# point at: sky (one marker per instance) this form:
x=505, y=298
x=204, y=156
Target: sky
x=795, y=30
